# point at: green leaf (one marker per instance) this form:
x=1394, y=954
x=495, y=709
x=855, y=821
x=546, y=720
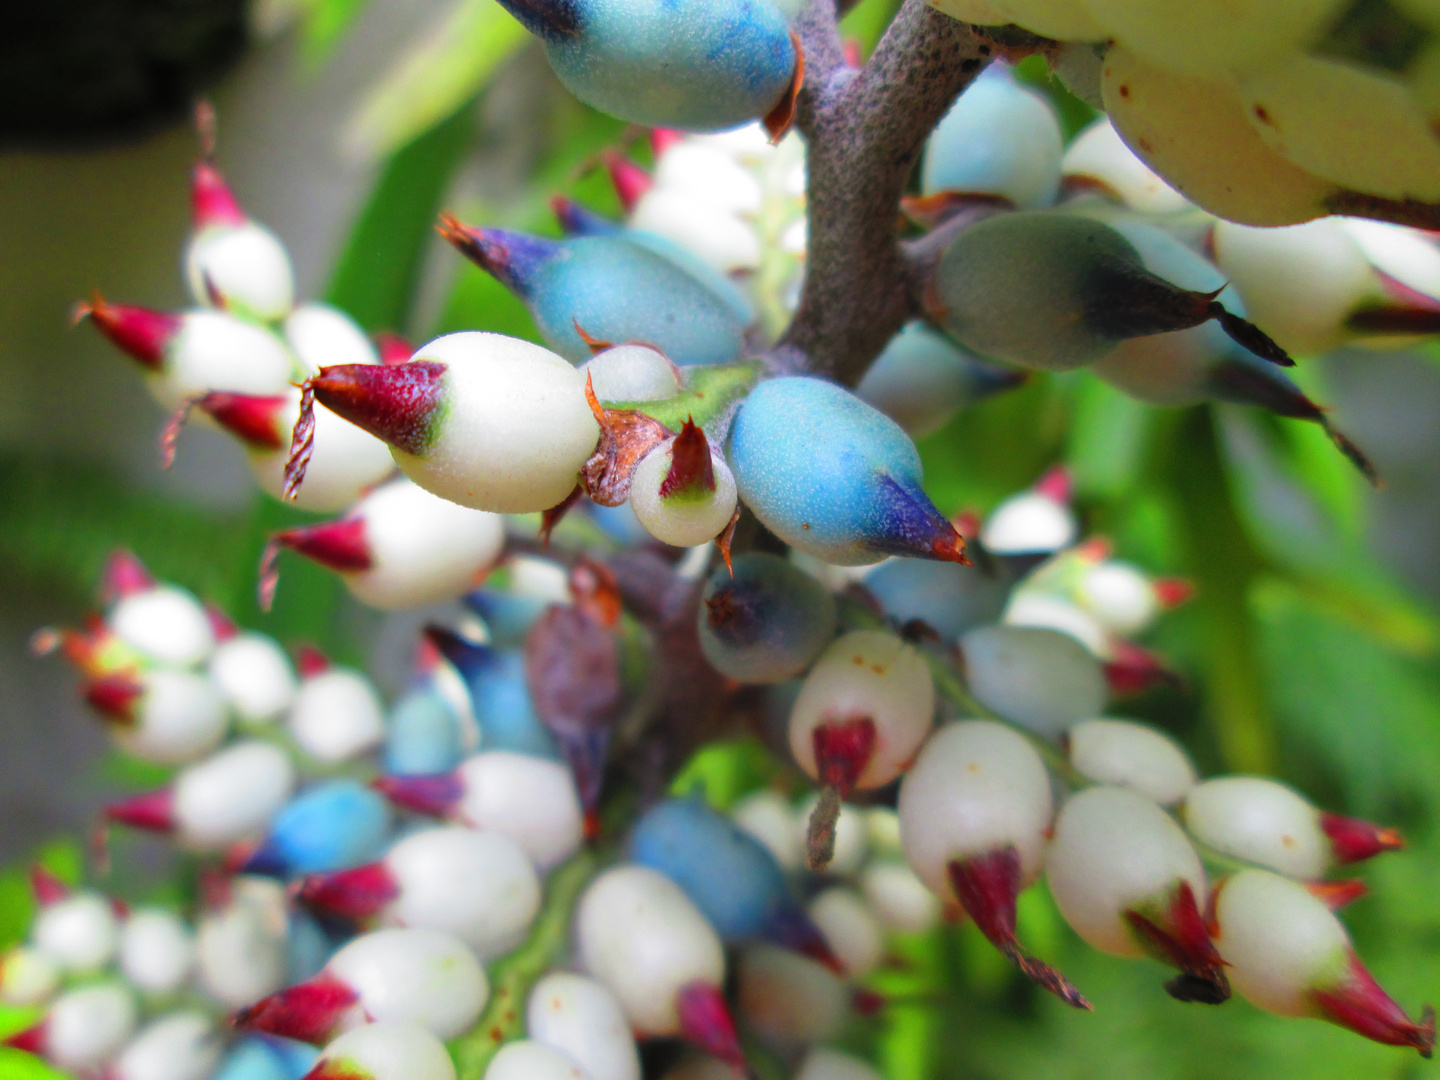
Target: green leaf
x=1108, y=441
x=865, y=23
x=709, y=392
x=324, y=25
x=377, y=275
x=434, y=77
x=724, y=772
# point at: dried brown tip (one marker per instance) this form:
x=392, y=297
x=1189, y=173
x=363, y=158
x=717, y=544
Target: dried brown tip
x=170, y=433
x=820, y=836
x=595, y=344
x=1249, y=336
x=205, y=127
x=302, y=442
x=778, y=120
x=1353, y=454
x=552, y=517
x=727, y=538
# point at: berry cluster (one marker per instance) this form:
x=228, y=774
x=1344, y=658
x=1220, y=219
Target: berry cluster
x=665, y=529
x=1265, y=113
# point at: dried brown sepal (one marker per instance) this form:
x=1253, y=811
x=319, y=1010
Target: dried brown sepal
x=302, y=442
x=595, y=345
x=1353, y=453
x=778, y=120
x=170, y=433
x=1337, y=894
x=727, y=538
x=1249, y=336
x=987, y=887
x=931, y=211
x=626, y=436
x=552, y=517
x=268, y=577
x=820, y=835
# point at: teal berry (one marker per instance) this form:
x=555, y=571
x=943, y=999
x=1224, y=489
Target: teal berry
x=334, y=825
x=693, y=65
x=613, y=290
x=999, y=138
x=576, y=220
x=765, y=621
x=922, y=379
x=833, y=477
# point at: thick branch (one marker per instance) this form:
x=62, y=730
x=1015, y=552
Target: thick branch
x=864, y=132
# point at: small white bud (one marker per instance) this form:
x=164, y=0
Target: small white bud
x=1131, y=755
x=87, y=1026
x=79, y=931
x=631, y=373
x=530, y=799
x=323, y=336
x=898, y=898
x=787, y=998
x=231, y=796
x=1260, y=821
x=1038, y=678
x=527, y=1060
x=385, y=1051
x=640, y=935
x=157, y=951
x=166, y=623
x=422, y=977
x=850, y=929
x=337, y=715
x=178, y=1046
x=246, y=264
x=580, y=1017
x=256, y=677
x=28, y=976
x=823, y=1063
x=767, y=817
x=240, y=949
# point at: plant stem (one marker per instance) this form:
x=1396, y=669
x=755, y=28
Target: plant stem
x=512, y=977
x=864, y=131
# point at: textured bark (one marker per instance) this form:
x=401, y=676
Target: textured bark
x=864, y=130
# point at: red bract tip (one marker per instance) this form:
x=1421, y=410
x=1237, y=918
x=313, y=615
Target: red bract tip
x=1178, y=936
x=310, y=1012
x=340, y=545
x=867, y=1002
x=1354, y=840
x=393, y=349
x=1171, y=592
x=359, y=894
x=48, y=888
x=398, y=403
x=211, y=201
x=434, y=795
x=254, y=420
x=311, y=661
x=630, y=180
x=592, y=824
x=1056, y=485
x=114, y=697
x=842, y=750
x=662, y=139
x=967, y=524
x=139, y=333
x=31, y=1040
x=1133, y=670
x=124, y=575
x=1360, y=1004
x=850, y=49
x=153, y=811
x=987, y=887
x=221, y=625
x=1095, y=550
x=705, y=1021
x=692, y=472
x=1337, y=894
x=950, y=548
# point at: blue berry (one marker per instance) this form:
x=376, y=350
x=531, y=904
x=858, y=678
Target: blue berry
x=766, y=622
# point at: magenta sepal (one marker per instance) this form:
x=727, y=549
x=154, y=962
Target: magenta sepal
x=1360, y=1004
x=1354, y=839
x=987, y=887
x=629, y=179
x=397, y=403
x=153, y=811
x=211, y=200
x=705, y=1021
x=311, y=1011
x=358, y=894
x=434, y=795
x=114, y=697
x=1177, y=935
x=843, y=748
x=339, y=545
x=124, y=575
x=31, y=1040
x=46, y=887
x=251, y=418
x=140, y=333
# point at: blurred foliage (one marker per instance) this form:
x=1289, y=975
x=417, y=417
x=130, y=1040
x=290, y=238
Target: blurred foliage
x=1302, y=656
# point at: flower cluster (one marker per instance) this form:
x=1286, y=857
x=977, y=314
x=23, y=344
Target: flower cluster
x=664, y=531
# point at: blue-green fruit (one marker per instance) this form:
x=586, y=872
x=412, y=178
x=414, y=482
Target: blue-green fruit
x=695, y=65
x=765, y=622
x=614, y=290
x=834, y=477
x=999, y=138
x=922, y=379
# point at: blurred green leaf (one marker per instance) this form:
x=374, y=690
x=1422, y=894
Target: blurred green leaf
x=323, y=25
x=1108, y=440
x=865, y=23
x=376, y=277
x=434, y=77
x=725, y=772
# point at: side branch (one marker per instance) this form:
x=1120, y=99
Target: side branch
x=865, y=130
